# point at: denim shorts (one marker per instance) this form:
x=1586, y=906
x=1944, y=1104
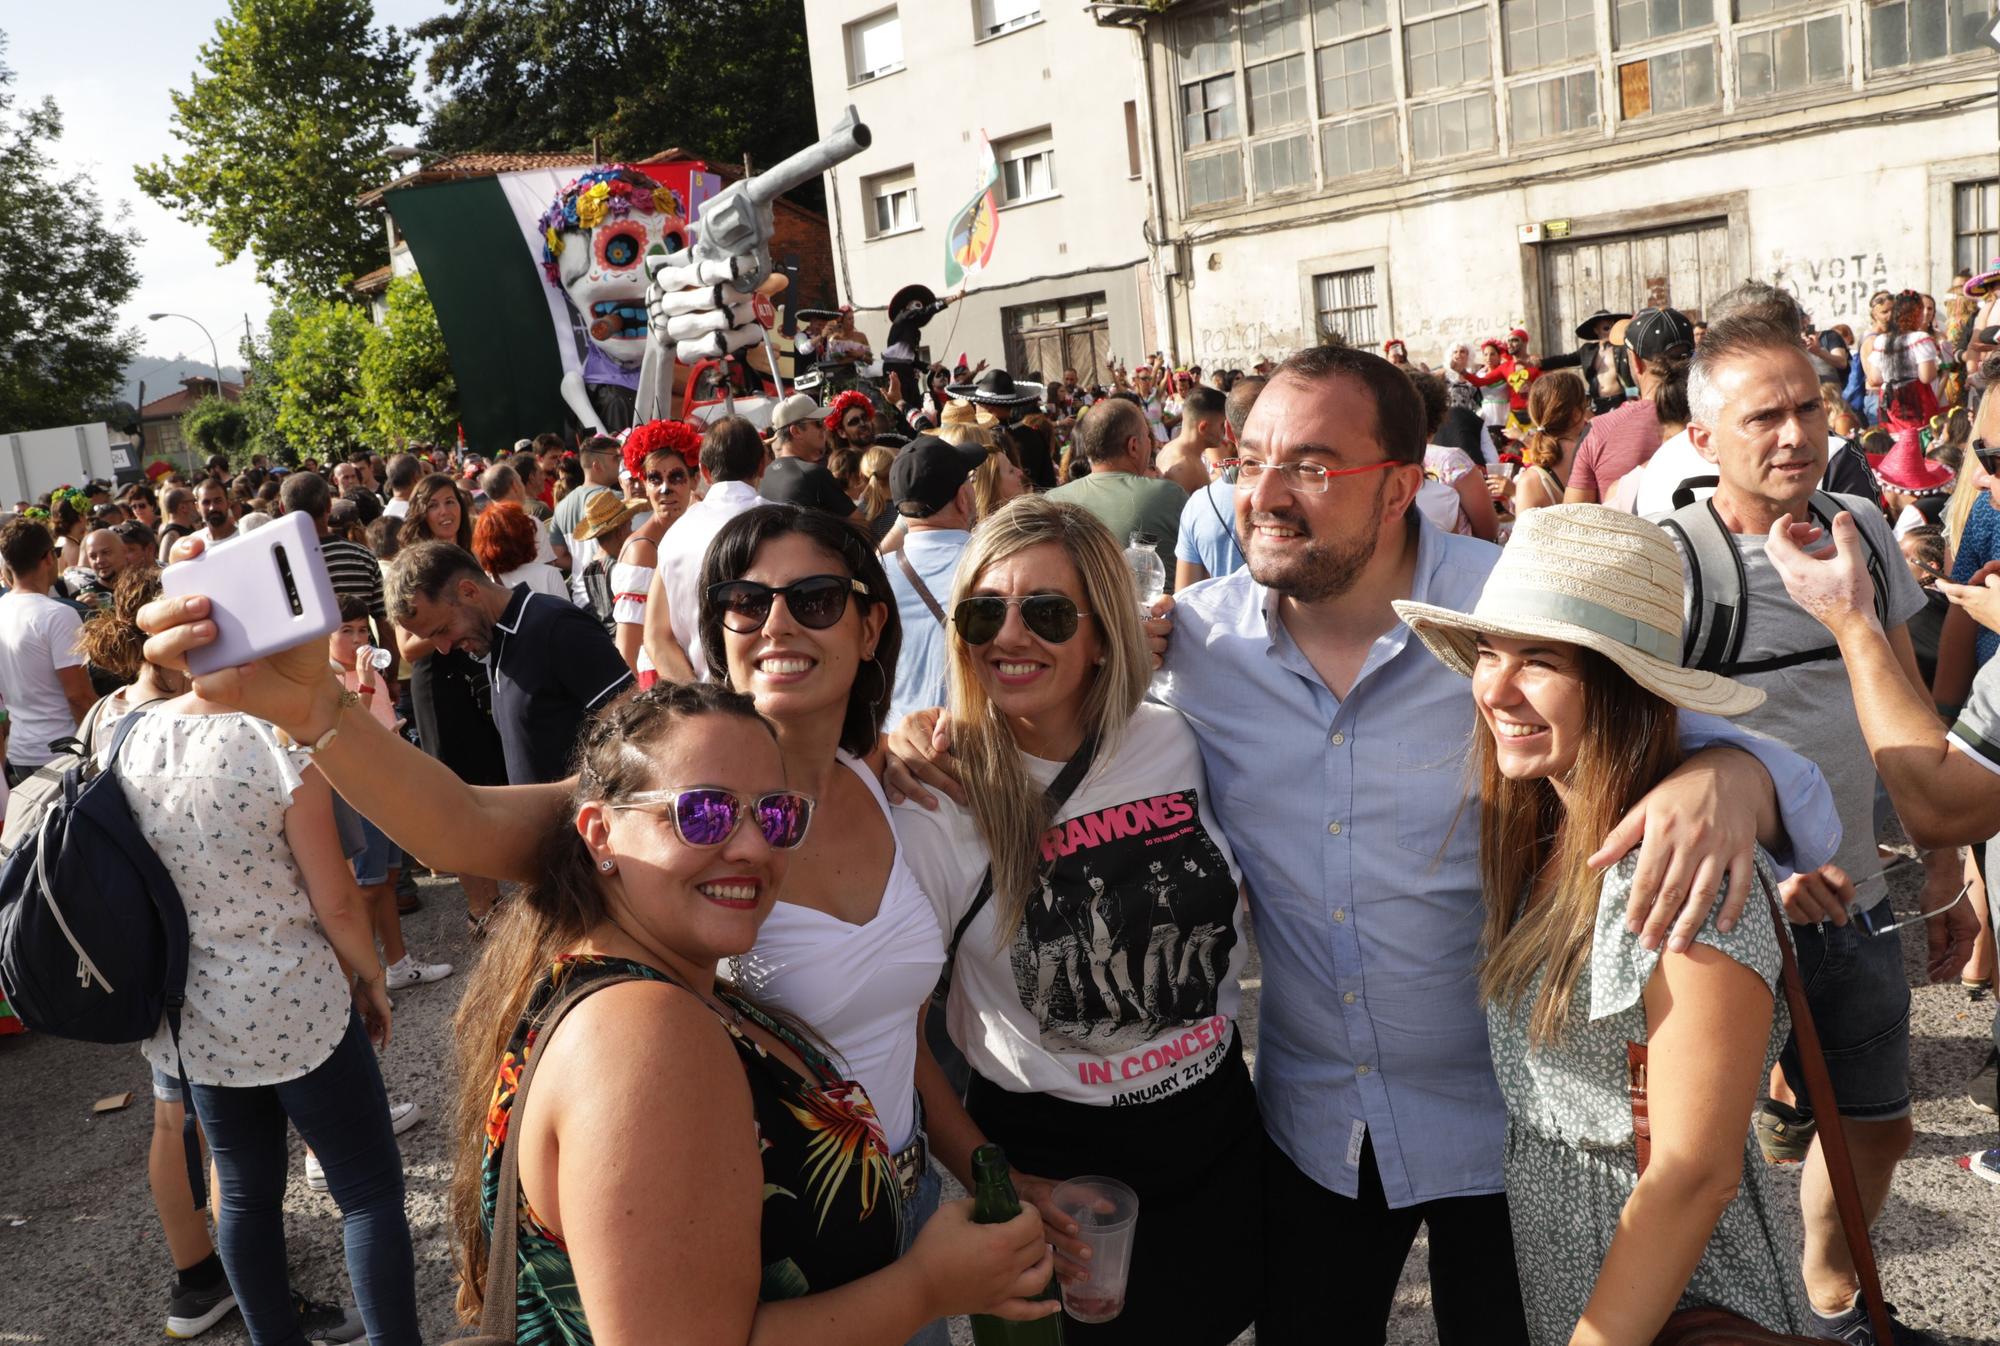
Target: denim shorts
x=166, y=1088
x=1860, y=1001
x=377, y=854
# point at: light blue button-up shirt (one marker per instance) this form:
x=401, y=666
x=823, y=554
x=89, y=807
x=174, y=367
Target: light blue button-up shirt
x=920, y=666
x=1356, y=825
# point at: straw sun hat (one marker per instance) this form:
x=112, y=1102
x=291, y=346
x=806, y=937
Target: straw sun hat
x=1589, y=576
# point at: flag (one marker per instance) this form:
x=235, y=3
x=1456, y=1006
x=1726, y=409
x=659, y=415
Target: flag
x=969, y=241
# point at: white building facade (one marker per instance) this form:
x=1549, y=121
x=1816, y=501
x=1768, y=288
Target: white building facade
x=1443, y=170
x=1069, y=283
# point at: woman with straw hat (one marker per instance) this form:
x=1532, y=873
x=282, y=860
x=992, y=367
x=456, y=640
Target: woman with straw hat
x=1573, y=650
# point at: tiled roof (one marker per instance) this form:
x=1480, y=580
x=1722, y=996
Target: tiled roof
x=190, y=392
x=482, y=165
x=372, y=282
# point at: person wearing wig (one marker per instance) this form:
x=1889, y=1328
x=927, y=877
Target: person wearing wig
x=663, y=460
x=850, y=421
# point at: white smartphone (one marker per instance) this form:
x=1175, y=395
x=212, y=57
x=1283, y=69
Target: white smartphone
x=267, y=591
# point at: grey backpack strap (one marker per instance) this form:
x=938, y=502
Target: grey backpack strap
x=1715, y=587
x=917, y=583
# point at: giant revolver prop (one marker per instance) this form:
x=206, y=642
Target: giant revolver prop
x=702, y=297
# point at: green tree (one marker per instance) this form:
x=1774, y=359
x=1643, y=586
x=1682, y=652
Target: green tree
x=217, y=425
x=406, y=377
x=262, y=356
x=320, y=410
x=719, y=78
x=285, y=124
x=64, y=272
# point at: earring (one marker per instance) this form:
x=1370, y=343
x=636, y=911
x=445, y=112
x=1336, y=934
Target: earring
x=607, y=865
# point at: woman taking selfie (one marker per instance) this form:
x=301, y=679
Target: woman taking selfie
x=1094, y=967
x=1575, y=726
x=450, y=694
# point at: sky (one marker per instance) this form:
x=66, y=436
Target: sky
x=112, y=85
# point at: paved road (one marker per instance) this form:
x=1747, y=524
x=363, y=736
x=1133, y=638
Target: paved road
x=82, y=1259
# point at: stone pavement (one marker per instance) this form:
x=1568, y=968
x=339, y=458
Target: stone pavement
x=84, y=1261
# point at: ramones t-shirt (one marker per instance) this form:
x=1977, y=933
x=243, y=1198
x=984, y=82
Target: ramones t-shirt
x=1121, y=985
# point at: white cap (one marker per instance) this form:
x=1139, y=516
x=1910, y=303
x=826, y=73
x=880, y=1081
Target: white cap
x=798, y=407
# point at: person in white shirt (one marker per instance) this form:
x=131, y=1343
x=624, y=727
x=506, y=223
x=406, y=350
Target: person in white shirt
x=404, y=471
x=42, y=676
x=217, y=516
x=600, y=460
x=732, y=462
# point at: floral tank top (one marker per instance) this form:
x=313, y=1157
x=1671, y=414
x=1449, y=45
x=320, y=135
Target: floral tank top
x=832, y=1209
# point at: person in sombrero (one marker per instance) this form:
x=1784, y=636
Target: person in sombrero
x=1908, y=479
x=1000, y=393
x=1573, y=650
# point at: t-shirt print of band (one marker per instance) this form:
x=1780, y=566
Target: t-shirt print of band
x=1129, y=940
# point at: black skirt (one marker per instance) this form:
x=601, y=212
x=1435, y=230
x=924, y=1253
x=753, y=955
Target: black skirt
x=452, y=700
x=1196, y=1159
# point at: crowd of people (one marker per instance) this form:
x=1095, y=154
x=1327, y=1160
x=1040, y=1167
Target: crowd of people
x=852, y=771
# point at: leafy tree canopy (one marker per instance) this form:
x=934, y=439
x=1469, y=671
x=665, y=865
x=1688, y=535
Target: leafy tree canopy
x=217, y=425
x=285, y=124
x=64, y=272
x=719, y=78
x=406, y=377
x=320, y=411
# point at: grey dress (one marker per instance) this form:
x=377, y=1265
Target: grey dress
x=1570, y=1161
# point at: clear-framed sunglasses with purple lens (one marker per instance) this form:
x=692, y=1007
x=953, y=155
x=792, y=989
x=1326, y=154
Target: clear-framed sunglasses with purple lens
x=708, y=815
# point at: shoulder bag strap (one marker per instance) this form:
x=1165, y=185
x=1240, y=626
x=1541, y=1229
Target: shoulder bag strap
x=498, y=1316
x=1832, y=1139
x=1058, y=793
x=917, y=583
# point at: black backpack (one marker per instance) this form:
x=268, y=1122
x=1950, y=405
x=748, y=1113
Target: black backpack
x=1716, y=585
x=93, y=935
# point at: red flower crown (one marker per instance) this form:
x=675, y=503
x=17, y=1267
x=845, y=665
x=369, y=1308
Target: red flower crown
x=653, y=436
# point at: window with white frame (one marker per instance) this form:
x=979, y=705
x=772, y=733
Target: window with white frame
x=1208, y=111
x=1274, y=64
x=1636, y=21
x=1911, y=32
x=1673, y=81
x=1336, y=20
x=1975, y=225
x=1454, y=127
x=892, y=202
x=1281, y=165
x=1794, y=57
x=1027, y=167
x=1355, y=74
x=1547, y=108
x=1213, y=179
x=1356, y=148
x=1277, y=93
x=1543, y=33
x=874, y=47
x=1004, y=16
x=1344, y=306
x=1452, y=49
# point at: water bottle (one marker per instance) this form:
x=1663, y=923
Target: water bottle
x=375, y=657
x=1149, y=572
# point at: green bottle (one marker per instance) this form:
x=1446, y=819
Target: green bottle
x=994, y=1202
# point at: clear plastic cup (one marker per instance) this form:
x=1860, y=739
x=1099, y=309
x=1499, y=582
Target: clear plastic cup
x=1106, y=1212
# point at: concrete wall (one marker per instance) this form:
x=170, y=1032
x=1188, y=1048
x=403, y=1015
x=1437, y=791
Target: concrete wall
x=1064, y=73
x=35, y=461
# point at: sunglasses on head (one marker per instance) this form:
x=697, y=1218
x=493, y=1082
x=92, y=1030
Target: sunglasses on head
x=708, y=815
x=677, y=477
x=1051, y=617
x=815, y=602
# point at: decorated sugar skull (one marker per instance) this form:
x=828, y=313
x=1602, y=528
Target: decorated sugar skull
x=594, y=239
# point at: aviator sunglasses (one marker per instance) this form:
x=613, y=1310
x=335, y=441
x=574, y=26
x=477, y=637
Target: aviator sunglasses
x=708, y=815
x=1052, y=617
x=815, y=602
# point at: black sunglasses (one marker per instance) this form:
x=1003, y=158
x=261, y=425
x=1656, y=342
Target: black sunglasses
x=677, y=477
x=1988, y=456
x=1052, y=617
x=815, y=602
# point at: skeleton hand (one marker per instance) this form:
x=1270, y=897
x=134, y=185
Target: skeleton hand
x=699, y=305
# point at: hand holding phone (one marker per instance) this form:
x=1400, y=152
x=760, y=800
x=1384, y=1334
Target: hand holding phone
x=267, y=591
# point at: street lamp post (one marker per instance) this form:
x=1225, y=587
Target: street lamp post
x=214, y=352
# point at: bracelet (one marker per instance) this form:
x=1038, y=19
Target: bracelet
x=348, y=698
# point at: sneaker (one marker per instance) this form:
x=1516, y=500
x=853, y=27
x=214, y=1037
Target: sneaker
x=1784, y=1133
x=410, y=972
x=328, y=1324
x=1984, y=1087
x=193, y=1312
x=403, y=1116
x=1985, y=1164
x=1854, y=1328
x=315, y=1173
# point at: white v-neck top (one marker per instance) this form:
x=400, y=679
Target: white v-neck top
x=860, y=987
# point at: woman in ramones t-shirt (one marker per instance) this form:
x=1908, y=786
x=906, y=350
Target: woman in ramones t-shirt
x=1095, y=991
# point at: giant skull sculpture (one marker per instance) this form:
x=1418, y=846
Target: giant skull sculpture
x=594, y=240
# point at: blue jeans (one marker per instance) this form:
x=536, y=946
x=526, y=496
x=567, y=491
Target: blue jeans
x=916, y=1211
x=342, y=1111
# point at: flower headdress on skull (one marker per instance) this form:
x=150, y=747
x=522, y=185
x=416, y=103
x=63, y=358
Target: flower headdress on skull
x=594, y=240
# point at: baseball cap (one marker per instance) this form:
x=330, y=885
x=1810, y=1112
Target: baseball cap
x=794, y=481
x=1654, y=332
x=798, y=407
x=928, y=472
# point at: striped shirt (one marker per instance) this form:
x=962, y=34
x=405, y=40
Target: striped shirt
x=354, y=572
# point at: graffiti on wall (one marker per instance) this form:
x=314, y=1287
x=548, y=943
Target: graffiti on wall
x=1833, y=287
x=1237, y=345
